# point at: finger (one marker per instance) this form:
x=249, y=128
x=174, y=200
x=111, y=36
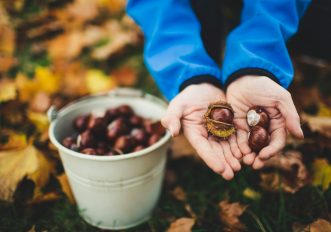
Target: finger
x=242, y=139
x=228, y=173
x=234, y=147
x=249, y=159
x=277, y=143
x=171, y=120
x=205, y=150
x=289, y=112
x=230, y=159
x=258, y=163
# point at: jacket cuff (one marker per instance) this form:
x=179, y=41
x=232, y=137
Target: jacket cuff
x=250, y=71
x=201, y=79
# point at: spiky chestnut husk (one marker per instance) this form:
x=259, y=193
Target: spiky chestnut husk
x=223, y=128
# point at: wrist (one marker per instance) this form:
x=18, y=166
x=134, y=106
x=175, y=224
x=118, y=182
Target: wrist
x=201, y=80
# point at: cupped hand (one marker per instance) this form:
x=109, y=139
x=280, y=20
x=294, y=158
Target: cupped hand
x=186, y=111
x=248, y=91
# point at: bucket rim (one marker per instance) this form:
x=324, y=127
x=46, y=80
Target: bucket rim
x=145, y=151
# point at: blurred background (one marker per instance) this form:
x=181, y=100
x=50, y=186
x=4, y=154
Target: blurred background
x=54, y=51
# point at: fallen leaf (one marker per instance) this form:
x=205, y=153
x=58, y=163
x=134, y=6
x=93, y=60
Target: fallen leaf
x=25, y=86
x=125, y=75
x=320, y=124
x=47, y=80
x=321, y=170
x=292, y=174
x=320, y=225
x=182, y=225
x=251, y=194
x=229, y=215
x=39, y=120
x=7, y=90
x=63, y=179
x=19, y=163
x=179, y=193
x=33, y=229
x=6, y=61
x=181, y=147
x=40, y=102
x=44, y=197
x=97, y=81
x=16, y=140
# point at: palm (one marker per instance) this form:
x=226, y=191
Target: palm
x=245, y=93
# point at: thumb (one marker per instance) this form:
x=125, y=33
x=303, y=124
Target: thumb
x=289, y=112
x=171, y=120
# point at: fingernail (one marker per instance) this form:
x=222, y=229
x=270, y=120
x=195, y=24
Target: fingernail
x=172, y=131
x=302, y=135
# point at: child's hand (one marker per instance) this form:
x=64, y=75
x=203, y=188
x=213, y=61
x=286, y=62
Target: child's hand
x=248, y=91
x=186, y=111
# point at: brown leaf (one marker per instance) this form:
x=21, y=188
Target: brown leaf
x=292, y=174
x=179, y=193
x=18, y=163
x=320, y=225
x=7, y=90
x=229, y=215
x=182, y=225
x=320, y=124
x=15, y=140
x=63, y=179
x=6, y=62
x=125, y=75
x=40, y=102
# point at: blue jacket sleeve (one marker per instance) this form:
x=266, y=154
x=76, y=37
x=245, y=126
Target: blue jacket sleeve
x=173, y=50
x=258, y=44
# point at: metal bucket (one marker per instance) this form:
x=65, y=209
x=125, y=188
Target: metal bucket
x=113, y=192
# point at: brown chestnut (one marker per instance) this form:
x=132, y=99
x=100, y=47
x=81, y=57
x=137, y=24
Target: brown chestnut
x=113, y=152
x=88, y=151
x=125, y=110
x=222, y=115
x=97, y=125
x=136, y=121
x=111, y=114
x=258, y=138
x=138, y=148
x=86, y=139
x=139, y=135
x=257, y=116
x=154, y=127
x=80, y=123
x=153, y=139
x=68, y=142
x=101, y=151
x=124, y=143
x=117, y=128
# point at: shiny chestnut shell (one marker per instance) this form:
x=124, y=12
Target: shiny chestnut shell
x=258, y=138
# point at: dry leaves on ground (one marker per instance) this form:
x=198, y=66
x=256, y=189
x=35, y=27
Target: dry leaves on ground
x=321, y=173
x=229, y=215
x=289, y=173
x=182, y=225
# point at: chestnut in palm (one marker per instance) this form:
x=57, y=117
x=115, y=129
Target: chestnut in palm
x=258, y=138
x=257, y=116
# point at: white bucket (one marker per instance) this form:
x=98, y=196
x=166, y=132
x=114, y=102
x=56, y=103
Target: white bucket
x=113, y=192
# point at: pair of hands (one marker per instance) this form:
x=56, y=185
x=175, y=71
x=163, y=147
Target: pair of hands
x=186, y=112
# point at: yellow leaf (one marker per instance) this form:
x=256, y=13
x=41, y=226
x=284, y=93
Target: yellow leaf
x=182, y=225
x=15, y=140
x=47, y=80
x=97, y=81
x=18, y=163
x=251, y=194
x=324, y=110
x=321, y=173
x=63, y=179
x=7, y=91
x=26, y=87
x=39, y=120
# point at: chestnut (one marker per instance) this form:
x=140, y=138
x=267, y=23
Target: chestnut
x=258, y=138
x=139, y=135
x=222, y=115
x=257, y=116
x=86, y=139
x=138, y=148
x=136, y=121
x=153, y=139
x=111, y=114
x=68, y=142
x=113, y=152
x=88, y=151
x=97, y=125
x=124, y=143
x=117, y=128
x=80, y=123
x=101, y=151
x=154, y=127
x=125, y=110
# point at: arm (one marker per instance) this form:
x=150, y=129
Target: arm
x=173, y=52
x=258, y=45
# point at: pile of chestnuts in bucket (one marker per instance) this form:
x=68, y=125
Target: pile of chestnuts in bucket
x=119, y=131
x=219, y=123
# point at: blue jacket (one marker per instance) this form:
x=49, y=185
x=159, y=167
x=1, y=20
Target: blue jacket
x=174, y=51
